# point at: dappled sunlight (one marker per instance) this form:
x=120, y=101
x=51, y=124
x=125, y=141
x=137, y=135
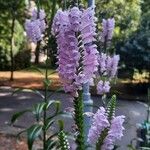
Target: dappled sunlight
x=31, y=80
x=23, y=97
x=5, y=94
x=6, y=109
x=135, y=113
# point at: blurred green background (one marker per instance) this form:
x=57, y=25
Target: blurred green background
x=131, y=37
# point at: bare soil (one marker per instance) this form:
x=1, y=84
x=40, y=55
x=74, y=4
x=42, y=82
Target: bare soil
x=30, y=80
x=9, y=142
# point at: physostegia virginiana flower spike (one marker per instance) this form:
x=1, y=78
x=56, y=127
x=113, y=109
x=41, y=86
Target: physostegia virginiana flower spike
x=77, y=55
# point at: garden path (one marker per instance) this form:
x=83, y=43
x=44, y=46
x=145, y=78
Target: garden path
x=134, y=112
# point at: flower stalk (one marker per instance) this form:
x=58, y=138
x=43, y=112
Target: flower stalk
x=79, y=121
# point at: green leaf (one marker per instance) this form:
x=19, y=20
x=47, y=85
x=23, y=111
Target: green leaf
x=18, y=90
x=18, y=114
x=37, y=110
x=50, y=144
x=49, y=103
x=52, y=73
x=53, y=102
x=37, y=70
x=18, y=135
x=131, y=147
x=52, y=136
x=61, y=125
x=32, y=133
x=47, y=82
x=145, y=148
x=48, y=123
x=57, y=106
x=38, y=93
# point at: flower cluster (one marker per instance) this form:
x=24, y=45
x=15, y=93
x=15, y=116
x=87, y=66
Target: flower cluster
x=108, y=28
x=100, y=122
x=115, y=133
x=110, y=130
x=77, y=55
x=108, y=64
x=35, y=26
x=103, y=87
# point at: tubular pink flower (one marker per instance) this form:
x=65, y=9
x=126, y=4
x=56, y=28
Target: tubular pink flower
x=35, y=26
x=103, y=87
x=33, y=30
x=100, y=122
x=107, y=29
x=75, y=18
x=88, y=32
x=112, y=65
x=77, y=64
x=113, y=130
x=108, y=65
x=60, y=22
x=115, y=133
x=102, y=58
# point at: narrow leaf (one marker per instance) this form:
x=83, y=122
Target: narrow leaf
x=48, y=124
x=37, y=110
x=50, y=144
x=18, y=114
x=32, y=133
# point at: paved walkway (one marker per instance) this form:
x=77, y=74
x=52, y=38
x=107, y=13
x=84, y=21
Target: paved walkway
x=134, y=112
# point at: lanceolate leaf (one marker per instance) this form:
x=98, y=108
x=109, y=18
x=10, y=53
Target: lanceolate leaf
x=50, y=144
x=54, y=102
x=18, y=90
x=47, y=82
x=37, y=69
x=48, y=104
x=18, y=114
x=32, y=133
x=61, y=125
x=37, y=110
x=48, y=124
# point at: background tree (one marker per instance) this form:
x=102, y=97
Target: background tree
x=11, y=14
x=135, y=53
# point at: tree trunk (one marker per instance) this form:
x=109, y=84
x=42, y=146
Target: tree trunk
x=11, y=49
x=37, y=53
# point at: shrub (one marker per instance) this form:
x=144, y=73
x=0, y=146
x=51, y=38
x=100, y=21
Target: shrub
x=22, y=59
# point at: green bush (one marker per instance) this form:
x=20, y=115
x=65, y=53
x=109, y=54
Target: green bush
x=135, y=54
x=22, y=60
x=4, y=62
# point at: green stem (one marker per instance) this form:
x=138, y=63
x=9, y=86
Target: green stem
x=148, y=109
x=50, y=42
x=37, y=51
x=101, y=139
x=79, y=121
x=45, y=99
x=38, y=8
x=65, y=5
x=46, y=87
